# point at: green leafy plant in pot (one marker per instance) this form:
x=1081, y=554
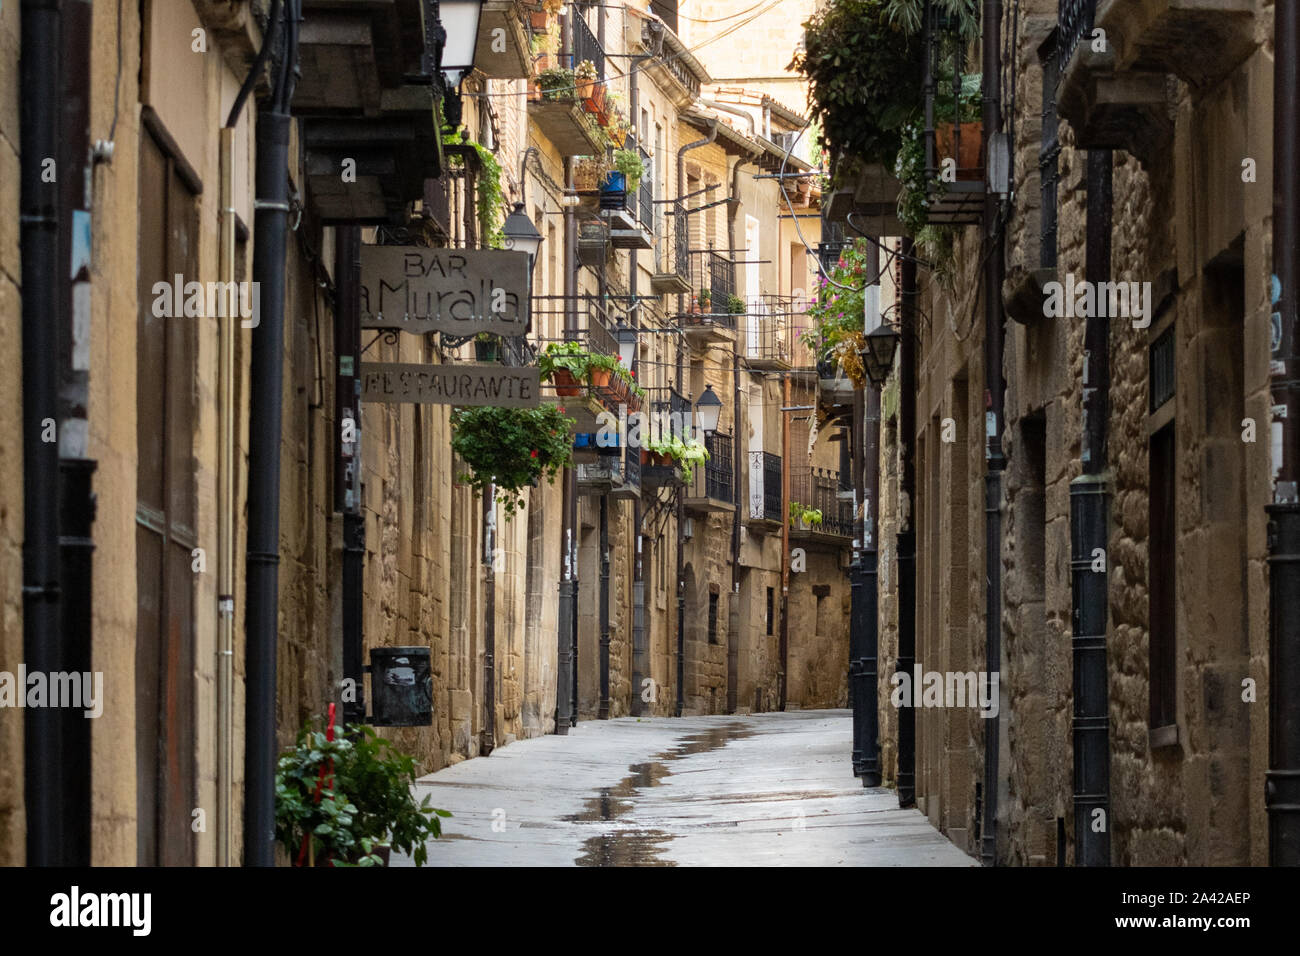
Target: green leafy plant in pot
x=511, y=448
x=629, y=163
x=343, y=794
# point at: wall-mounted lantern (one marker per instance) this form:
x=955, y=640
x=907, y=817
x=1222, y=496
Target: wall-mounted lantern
x=707, y=410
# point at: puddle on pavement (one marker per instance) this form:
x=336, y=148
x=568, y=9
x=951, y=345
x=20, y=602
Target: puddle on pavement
x=627, y=847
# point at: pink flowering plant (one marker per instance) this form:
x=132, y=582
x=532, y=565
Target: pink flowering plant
x=838, y=314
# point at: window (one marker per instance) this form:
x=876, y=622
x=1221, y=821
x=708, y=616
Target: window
x=1048, y=152
x=713, y=617
x=165, y=511
x=771, y=609
x=1161, y=574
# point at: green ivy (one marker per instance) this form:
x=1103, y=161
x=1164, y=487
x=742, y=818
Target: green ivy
x=864, y=72
x=490, y=200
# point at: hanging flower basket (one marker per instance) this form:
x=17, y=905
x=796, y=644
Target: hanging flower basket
x=510, y=448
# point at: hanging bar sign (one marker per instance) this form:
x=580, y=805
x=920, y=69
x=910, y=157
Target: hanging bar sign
x=457, y=291
x=395, y=382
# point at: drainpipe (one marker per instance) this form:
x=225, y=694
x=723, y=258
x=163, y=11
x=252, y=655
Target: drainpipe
x=566, y=684
x=226, y=507
x=76, y=497
x=1089, y=516
x=226, y=461
x=994, y=392
x=603, y=713
x=347, y=347
x=783, y=650
x=264, y=436
x=39, y=66
x=735, y=111
x=1282, y=787
x=906, y=529
x=681, y=502
x=733, y=617
x=487, y=740
x=864, y=617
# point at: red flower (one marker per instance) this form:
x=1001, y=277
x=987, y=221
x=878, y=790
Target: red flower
x=534, y=453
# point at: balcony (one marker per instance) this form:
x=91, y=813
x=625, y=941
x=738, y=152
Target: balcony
x=767, y=338
x=870, y=196
x=367, y=95
x=710, y=318
x=561, y=117
x=585, y=44
x=630, y=214
x=1108, y=107
x=503, y=50
x=1199, y=41
x=594, y=330
x=765, y=473
x=713, y=485
x=818, y=489
x=673, y=264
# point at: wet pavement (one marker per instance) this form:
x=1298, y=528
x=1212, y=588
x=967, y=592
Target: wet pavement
x=758, y=790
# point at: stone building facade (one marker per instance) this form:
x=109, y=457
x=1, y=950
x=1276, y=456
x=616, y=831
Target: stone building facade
x=1187, y=136
x=161, y=85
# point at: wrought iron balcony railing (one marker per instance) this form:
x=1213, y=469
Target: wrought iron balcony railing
x=765, y=486
x=1074, y=21
x=716, y=479
x=594, y=325
x=585, y=44
x=817, y=488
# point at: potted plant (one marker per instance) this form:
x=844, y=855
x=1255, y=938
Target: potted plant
x=600, y=368
x=343, y=797
x=804, y=517
x=706, y=301
x=735, y=305
x=629, y=163
x=511, y=448
x=565, y=364
x=556, y=84
x=585, y=79
x=960, y=112
x=487, y=347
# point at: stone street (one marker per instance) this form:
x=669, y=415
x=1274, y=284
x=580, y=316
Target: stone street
x=760, y=790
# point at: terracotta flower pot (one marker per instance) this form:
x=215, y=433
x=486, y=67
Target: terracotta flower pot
x=584, y=87
x=565, y=383
x=600, y=377
x=969, y=167
x=539, y=20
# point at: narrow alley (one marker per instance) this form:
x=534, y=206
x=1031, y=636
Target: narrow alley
x=757, y=790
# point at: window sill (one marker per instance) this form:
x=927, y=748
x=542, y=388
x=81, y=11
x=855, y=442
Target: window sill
x=1160, y=738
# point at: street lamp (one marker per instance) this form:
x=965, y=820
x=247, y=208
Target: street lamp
x=626, y=344
x=707, y=410
x=521, y=235
x=878, y=356
x=459, y=22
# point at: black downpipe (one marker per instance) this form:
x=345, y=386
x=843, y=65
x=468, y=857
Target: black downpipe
x=994, y=392
x=1282, y=785
x=44, y=791
x=566, y=683
x=347, y=344
x=1089, y=516
x=603, y=712
x=907, y=530
x=864, y=606
x=77, y=498
x=488, y=738
x=265, y=416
